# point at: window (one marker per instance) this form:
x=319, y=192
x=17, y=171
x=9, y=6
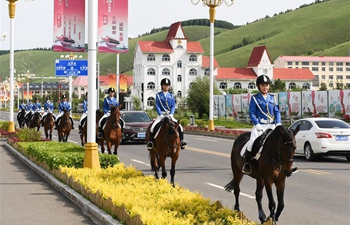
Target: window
x=179, y=78
x=193, y=58
x=324, y=77
x=237, y=85
x=315, y=63
x=347, y=69
x=179, y=47
x=330, y=77
x=331, y=64
x=330, y=69
x=339, y=64
x=151, y=71
x=179, y=94
x=347, y=63
x=339, y=77
x=347, y=77
x=305, y=63
x=150, y=101
x=289, y=63
x=251, y=85
x=165, y=71
x=193, y=72
x=223, y=85
x=339, y=68
x=207, y=72
x=151, y=57
x=323, y=68
x=323, y=63
x=166, y=58
x=316, y=76
x=314, y=69
x=306, y=86
x=330, y=85
x=347, y=85
x=292, y=85
x=75, y=89
x=190, y=86
x=179, y=64
x=151, y=86
x=296, y=63
x=82, y=88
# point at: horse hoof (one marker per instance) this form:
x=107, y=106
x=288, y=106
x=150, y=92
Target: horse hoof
x=115, y=153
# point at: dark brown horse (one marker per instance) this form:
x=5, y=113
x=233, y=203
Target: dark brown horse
x=64, y=127
x=35, y=121
x=166, y=144
x=21, y=118
x=83, y=136
x=112, y=131
x=273, y=166
x=49, y=123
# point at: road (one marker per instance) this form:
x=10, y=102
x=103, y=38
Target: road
x=318, y=194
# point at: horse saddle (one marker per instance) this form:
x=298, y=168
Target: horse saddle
x=259, y=143
x=104, y=122
x=158, y=126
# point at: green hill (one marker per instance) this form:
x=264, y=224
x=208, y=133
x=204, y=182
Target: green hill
x=318, y=29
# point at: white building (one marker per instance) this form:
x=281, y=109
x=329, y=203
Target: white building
x=326, y=69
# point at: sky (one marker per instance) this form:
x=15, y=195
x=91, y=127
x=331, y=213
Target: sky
x=33, y=23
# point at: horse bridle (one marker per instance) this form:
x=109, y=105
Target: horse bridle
x=167, y=140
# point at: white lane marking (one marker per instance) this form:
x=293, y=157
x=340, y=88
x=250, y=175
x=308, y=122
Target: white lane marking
x=143, y=163
x=222, y=188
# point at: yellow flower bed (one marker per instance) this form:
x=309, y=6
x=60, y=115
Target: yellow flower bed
x=156, y=202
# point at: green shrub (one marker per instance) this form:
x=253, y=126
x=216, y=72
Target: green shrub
x=184, y=122
x=4, y=125
x=200, y=123
x=29, y=135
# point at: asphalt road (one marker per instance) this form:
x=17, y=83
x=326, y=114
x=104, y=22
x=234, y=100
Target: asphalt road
x=318, y=194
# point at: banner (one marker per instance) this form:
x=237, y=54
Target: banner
x=69, y=26
x=113, y=26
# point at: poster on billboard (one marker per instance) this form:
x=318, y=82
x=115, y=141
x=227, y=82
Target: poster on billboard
x=69, y=26
x=113, y=26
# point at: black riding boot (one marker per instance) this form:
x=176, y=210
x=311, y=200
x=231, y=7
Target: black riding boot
x=71, y=120
x=100, y=132
x=80, y=129
x=183, y=141
x=150, y=142
x=42, y=121
x=295, y=169
x=247, y=167
x=56, y=123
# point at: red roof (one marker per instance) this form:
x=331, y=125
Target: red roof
x=236, y=73
x=155, y=47
x=206, y=62
x=292, y=74
x=173, y=31
x=256, y=55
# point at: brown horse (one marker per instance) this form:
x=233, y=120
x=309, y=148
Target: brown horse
x=21, y=118
x=166, y=144
x=49, y=123
x=83, y=136
x=273, y=166
x=112, y=131
x=35, y=121
x=64, y=127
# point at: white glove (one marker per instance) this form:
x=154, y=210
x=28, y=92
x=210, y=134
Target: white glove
x=171, y=117
x=161, y=116
x=259, y=128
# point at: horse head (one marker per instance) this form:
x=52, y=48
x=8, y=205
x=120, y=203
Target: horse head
x=286, y=148
x=115, y=116
x=172, y=136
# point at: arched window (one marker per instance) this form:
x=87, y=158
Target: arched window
x=292, y=85
x=165, y=71
x=179, y=94
x=151, y=71
x=179, y=64
x=166, y=58
x=306, y=86
x=251, y=85
x=150, y=101
x=223, y=85
x=193, y=58
x=190, y=86
x=207, y=72
x=179, y=78
x=193, y=72
x=179, y=47
x=76, y=89
x=82, y=88
x=237, y=85
x=151, y=57
x=151, y=85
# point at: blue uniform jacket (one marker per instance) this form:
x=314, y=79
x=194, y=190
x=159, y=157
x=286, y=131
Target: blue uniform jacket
x=22, y=106
x=29, y=107
x=165, y=103
x=63, y=106
x=48, y=106
x=109, y=101
x=85, y=105
x=257, y=116
x=36, y=106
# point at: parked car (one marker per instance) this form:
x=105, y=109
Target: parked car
x=322, y=137
x=136, y=123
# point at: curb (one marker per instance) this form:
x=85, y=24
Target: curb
x=97, y=215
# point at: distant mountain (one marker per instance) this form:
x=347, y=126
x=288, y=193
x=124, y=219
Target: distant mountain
x=316, y=29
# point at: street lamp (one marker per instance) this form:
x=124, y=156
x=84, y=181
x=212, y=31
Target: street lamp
x=212, y=4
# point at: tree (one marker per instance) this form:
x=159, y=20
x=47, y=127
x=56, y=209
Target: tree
x=136, y=102
x=278, y=86
x=198, y=95
x=323, y=87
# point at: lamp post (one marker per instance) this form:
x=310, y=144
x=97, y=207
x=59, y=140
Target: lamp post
x=212, y=4
x=27, y=76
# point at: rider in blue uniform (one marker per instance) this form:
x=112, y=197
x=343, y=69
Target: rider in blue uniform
x=37, y=106
x=109, y=101
x=48, y=107
x=64, y=105
x=165, y=106
x=22, y=106
x=264, y=113
x=29, y=109
x=85, y=111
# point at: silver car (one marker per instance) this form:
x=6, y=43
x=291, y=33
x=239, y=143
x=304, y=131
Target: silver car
x=322, y=137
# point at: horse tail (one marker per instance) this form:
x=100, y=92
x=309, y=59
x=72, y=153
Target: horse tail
x=230, y=186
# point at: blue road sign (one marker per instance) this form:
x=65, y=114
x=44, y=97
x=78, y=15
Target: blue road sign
x=67, y=67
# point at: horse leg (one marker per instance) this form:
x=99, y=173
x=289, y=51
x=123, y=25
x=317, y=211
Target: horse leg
x=172, y=170
x=272, y=204
x=258, y=197
x=280, y=185
x=162, y=165
x=154, y=163
x=109, y=146
x=50, y=134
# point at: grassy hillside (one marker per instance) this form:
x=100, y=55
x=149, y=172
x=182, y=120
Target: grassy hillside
x=319, y=29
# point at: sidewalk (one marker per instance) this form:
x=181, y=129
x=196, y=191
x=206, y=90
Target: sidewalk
x=30, y=195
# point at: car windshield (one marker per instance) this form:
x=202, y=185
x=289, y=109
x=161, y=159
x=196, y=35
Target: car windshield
x=331, y=124
x=136, y=117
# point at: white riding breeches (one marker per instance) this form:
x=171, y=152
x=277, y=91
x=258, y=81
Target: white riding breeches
x=255, y=133
x=82, y=117
x=159, y=118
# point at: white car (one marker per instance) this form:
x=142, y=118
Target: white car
x=322, y=137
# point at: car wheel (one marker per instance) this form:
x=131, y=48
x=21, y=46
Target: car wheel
x=347, y=157
x=308, y=152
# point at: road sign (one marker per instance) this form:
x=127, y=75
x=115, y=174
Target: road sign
x=67, y=67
